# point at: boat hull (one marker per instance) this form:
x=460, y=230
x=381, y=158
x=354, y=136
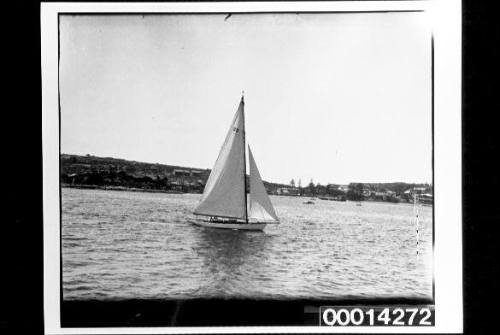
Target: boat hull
x=235, y=225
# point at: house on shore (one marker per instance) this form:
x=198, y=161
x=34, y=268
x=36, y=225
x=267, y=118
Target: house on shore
x=343, y=188
x=423, y=194
x=292, y=191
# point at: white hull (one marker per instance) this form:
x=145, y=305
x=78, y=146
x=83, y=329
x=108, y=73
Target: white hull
x=238, y=226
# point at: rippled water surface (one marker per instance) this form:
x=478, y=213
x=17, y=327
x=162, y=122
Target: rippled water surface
x=140, y=245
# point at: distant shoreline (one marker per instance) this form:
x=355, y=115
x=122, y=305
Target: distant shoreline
x=121, y=188
x=131, y=189
x=106, y=173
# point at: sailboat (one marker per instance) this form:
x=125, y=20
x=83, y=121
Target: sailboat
x=224, y=203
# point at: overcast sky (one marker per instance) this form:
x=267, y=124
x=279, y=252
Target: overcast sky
x=334, y=97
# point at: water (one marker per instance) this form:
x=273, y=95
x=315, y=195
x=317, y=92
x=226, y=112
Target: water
x=120, y=245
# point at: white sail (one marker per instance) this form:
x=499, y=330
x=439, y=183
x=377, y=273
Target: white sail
x=224, y=193
x=261, y=208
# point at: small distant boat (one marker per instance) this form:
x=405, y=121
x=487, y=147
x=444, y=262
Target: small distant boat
x=224, y=202
x=308, y=202
x=359, y=204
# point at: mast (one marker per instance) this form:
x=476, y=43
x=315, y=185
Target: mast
x=244, y=157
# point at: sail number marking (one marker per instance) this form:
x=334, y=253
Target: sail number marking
x=377, y=316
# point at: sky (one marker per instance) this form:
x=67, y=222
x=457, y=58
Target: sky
x=335, y=97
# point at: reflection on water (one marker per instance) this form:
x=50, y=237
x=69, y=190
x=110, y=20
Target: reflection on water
x=140, y=245
x=225, y=253
x=226, y=250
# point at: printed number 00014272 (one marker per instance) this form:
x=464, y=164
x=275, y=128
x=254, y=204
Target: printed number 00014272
x=377, y=316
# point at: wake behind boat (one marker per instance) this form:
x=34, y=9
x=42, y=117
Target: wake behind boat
x=224, y=203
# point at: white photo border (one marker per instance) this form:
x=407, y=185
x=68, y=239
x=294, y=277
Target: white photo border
x=445, y=21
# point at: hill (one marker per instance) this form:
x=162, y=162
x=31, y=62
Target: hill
x=93, y=171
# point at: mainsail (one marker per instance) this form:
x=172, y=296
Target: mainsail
x=225, y=193
x=261, y=208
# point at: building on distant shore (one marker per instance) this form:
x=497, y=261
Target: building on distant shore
x=186, y=173
x=344, y=188
x=423, y=194
x=181, y=173
x=287, y=191
x=417, y=190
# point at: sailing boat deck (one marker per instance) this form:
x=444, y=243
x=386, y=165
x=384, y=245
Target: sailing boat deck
x=225, y=196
